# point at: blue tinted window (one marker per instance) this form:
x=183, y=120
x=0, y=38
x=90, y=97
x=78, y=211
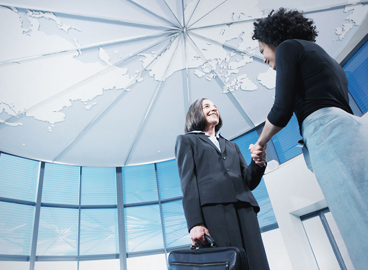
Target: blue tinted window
x=18, y=177
x=99, y=231
x=175, y=225
x=58, y=232
x=266, y=216
x=244, y=142
x=143, y=228
x=61, y=184
x=98, y=186
x=16, y=227
x=168, y=179
x=286, y=141
x=139, y=183
x=356, y=71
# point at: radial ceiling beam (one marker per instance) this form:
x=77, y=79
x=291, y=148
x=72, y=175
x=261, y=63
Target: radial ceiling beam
x=333, y=7
x=154, y=14
x=89, y=17
x=307, y=11
x=149, y=108
x=87, y=47
x=258, y=58
x=191, y=15
x=102, y=112
x=173, y=14
x=186, y=88
x=183, y=13
x=190, y=25
x=86, y=80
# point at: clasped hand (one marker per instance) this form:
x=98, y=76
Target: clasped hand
x=258, y=154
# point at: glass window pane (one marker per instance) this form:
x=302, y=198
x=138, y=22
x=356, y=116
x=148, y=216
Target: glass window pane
x=101, y=265
x=16, y=228
x=175, y=225
x=143, y=228
x=99, y=231
x=320, y=244
x=61, y=184
x=339, y=241
x=58, y=232
x=4, y=265
x=139, y=183
x=98, y=186
x=286, y=141
x=266, y=216
x=356, y=71
x=56, y=265
x=151, y=262
x=168, y=179
x=244, y=142
x=18, y=177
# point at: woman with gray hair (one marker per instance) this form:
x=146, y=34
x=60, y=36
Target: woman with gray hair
x=216, y=183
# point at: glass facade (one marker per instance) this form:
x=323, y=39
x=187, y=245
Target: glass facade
x=54, y=214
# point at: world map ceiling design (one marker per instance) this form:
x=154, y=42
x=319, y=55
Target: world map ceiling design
x=108, y=83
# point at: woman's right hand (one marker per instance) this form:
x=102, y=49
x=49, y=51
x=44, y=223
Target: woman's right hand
x=197, y=235
x=258, y=154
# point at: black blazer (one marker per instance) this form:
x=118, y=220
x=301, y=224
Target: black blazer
x=208, y=176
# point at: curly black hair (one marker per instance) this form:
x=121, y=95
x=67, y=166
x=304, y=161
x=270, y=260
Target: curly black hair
x=283, y=25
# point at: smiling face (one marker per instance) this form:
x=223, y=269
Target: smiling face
x=268, y=52
x=210, y=112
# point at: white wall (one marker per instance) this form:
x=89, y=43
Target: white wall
x=276, y=253
x=294, y=192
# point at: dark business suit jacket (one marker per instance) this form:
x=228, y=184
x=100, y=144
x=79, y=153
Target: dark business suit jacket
x=210, y=176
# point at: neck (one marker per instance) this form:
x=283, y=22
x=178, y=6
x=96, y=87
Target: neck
x=210, y=131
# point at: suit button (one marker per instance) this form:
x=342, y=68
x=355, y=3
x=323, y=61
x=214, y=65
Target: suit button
x=228, y=170
x=224, y=157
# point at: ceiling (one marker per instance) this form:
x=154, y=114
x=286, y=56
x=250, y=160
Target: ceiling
x=108, y=83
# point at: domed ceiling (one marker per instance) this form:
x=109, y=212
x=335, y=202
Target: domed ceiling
x=108, y=83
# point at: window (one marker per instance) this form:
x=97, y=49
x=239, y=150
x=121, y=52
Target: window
x=266, y=217
x=286, y=141
x=356, y=70
x=16, y=183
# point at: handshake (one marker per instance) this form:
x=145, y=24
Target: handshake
x=258, y=154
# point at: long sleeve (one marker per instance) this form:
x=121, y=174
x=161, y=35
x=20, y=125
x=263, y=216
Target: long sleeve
x=188, y=180
x=287, y=82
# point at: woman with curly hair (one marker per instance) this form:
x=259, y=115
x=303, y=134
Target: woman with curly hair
x=312, y=85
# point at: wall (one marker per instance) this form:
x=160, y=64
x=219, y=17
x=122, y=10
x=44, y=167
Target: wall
x=294, y=192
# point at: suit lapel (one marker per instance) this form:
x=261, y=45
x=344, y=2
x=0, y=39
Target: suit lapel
x=205, y=138
x=222, y=143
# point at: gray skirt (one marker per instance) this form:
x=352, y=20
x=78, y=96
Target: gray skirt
x=336, y=150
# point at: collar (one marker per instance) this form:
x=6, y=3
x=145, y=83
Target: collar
x=201, y=132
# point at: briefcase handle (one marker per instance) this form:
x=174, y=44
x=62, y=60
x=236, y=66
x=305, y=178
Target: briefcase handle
x=210, y=240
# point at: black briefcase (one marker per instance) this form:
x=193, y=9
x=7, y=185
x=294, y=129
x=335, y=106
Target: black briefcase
x=211, y=257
